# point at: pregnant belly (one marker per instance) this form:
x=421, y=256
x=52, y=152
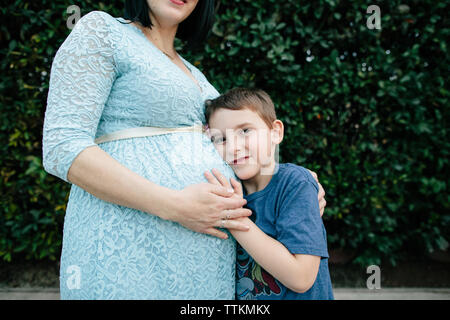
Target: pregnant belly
x=170, y=160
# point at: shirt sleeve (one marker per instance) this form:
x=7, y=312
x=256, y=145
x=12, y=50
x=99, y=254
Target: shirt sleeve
x=299, y=226
x=81, y=78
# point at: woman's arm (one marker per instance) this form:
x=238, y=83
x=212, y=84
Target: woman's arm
x=102, y=176
x=296, y=271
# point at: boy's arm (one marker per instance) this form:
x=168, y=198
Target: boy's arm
x=296, y=271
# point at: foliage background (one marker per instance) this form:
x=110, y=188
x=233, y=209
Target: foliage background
x=366, y=109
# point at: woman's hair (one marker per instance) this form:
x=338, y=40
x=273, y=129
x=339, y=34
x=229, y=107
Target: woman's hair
x=194, y=29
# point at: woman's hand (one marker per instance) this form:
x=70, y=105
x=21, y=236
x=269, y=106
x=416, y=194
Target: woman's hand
x=203, y=207
x=321, y=195
x=218, y=179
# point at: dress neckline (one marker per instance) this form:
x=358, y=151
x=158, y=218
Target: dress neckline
x=185, y=62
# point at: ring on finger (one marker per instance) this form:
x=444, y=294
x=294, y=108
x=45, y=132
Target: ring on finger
x=222, y=224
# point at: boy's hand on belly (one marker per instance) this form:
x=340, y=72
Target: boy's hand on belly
x=217, y=178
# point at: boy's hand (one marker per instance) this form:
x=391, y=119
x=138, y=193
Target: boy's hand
x=219, y=179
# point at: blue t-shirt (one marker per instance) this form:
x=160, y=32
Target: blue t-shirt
x=287, y=209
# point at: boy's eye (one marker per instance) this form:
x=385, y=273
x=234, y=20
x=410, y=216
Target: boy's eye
x=218, y=140
x=244, y=131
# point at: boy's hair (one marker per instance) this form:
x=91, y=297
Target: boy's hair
x=244, y=98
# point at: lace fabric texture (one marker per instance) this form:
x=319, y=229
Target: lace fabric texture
x=107, y=76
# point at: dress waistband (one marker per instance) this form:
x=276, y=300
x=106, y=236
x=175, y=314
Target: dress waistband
x=145, y=132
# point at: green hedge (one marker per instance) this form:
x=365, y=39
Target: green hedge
x=366, y=109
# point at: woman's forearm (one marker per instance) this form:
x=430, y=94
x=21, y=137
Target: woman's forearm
x=102, y=176
x=294, y=271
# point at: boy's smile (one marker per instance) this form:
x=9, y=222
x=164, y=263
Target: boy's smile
x=246, y=143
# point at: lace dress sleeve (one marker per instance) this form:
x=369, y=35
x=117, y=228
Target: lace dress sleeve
x=81, y=78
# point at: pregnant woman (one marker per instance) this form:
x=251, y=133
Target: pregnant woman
x=122, y=126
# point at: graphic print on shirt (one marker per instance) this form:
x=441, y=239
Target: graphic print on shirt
x=252, y=280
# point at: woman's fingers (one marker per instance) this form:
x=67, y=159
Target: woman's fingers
x=216, y=233
x=321, y=197
x=227, y=199
x=203, y=205
x=314, y=175
x=233, y=203
x=321, y=193
x=322, y=205
x=221, y=191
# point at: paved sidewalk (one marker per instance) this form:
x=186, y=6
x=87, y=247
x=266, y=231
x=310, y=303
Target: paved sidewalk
x=339, y=293
x=392, y=294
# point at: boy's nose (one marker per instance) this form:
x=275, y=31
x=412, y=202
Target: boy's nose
x=235, y=144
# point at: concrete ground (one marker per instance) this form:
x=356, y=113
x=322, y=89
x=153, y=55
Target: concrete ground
x=339, y=293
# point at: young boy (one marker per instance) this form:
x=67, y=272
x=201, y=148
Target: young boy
x=284, y=254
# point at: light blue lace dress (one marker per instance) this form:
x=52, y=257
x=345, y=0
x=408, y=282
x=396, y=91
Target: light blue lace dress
x=107, y=76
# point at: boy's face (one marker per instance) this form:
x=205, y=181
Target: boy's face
x=245, y=141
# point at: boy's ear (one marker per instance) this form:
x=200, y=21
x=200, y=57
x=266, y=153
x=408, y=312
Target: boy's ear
x=277, y=131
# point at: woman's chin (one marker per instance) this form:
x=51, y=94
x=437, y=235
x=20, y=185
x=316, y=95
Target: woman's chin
x=174, y=15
